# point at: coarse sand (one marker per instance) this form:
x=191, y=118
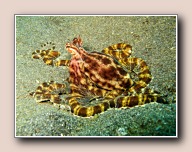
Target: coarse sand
x=153, y=39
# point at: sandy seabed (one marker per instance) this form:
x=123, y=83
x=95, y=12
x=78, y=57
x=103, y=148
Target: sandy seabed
x=153, y=39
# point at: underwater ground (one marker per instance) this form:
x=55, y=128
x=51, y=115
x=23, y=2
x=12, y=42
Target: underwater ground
x=153, y=39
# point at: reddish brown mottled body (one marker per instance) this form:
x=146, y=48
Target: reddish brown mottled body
x=101, y=69
x=106, y=75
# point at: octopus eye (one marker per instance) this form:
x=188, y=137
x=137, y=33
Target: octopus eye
x=75, y=40
x=68, y=45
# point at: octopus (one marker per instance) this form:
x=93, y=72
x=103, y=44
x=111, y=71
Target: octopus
x=107, y=79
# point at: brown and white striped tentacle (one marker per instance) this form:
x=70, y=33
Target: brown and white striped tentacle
x=120, y=101
x=121, y=52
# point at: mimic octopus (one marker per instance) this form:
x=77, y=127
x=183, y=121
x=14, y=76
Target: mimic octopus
x=111, y=77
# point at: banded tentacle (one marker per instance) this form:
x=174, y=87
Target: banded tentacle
x=121, y=52
x=120, y=101
x=50, y=91
x=48, y=55
x=118, y=51
x=143, y=74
